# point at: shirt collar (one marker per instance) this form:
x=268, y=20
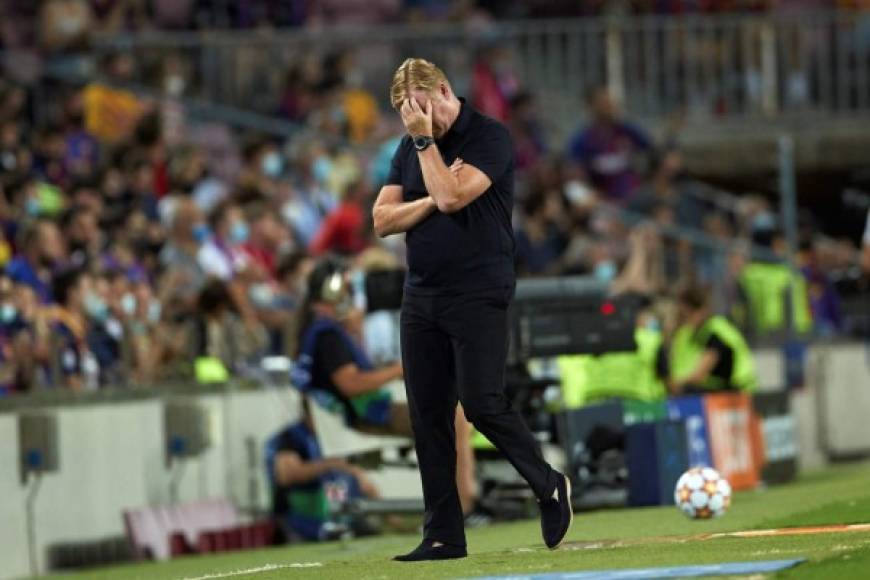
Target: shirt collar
x=464, y=119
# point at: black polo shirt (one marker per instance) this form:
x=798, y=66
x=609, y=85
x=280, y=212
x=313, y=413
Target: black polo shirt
x=473, y=248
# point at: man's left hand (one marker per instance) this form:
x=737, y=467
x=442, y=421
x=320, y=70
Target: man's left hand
x=417, y=121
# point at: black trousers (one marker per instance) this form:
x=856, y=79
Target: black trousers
x=454, y=347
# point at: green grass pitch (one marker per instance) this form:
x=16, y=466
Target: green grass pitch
x=627, y=538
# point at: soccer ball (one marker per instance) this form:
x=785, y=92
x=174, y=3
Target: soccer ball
x=702, y=493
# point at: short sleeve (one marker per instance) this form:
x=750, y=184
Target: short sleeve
x=492, y=152
x=289, y=441
x=331, y=352
x=395, y=175
x=214, y=263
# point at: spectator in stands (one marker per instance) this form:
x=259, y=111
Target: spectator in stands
x=41, y=251
x=297, y=98
x=179, y=256
x=84, y=237
x=824, y=301
x=107, y=317
x=309, y=200
x=644, y=271
x=268, y=236
x=280, y=317
x=217, y=343
x=143, y=311
x=48, y=157
x=308, y=489
x=263, y=165
x=293, y=270
x=73, y=364
x=346, y=229
x=541, y=238
x=493, y=83
x=28, y=334
x=65, y=24
x=607, y=152
x=222, y=257
x=8, y=318
x=527, y=131
x=115, y=197
x=142, y=193
x=669, y=186
x=81, y=148
x=15, y=157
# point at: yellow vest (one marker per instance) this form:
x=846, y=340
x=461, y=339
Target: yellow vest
x=766, y=287
x=687, y=347
x=627, y=375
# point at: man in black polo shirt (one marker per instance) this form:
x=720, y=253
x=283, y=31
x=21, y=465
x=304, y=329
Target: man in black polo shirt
x=451, y=189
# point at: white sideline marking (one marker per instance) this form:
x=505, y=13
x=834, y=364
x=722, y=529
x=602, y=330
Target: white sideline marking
x=266, y=568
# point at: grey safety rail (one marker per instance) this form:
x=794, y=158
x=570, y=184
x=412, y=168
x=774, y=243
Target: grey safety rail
x=712, y=67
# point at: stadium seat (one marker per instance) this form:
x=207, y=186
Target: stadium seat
x=164, y=532
x=338, y=440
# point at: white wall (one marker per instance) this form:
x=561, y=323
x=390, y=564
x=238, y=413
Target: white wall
x=112, y=458
x=843, y=407
x=13, y=541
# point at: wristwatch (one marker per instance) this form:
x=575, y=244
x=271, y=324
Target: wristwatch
x=421, y=142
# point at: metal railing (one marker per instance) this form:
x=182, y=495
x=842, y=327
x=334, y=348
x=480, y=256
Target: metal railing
x=725, y=66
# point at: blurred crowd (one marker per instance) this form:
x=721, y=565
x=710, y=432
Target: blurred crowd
x=67, y=24
x=128, y=260
x=135, y=242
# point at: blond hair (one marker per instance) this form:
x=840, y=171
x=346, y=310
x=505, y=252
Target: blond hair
x=415, y=74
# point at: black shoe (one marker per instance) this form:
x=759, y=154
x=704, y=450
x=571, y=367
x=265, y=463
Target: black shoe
x=556, y=513
x=427, y=550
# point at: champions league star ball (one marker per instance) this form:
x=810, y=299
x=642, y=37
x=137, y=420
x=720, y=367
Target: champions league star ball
x=702, y=493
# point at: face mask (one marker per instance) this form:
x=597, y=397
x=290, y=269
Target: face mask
x=7, y=313
x=128, y=304
x=764, y=221
x=154, y=311
x=95, y=307
x=261, y=294
x=272, y=164
x=653, y=325
x=174, y=85
x=32, y=207
x=605, y=271
x=239, y=232
x=321, y=168
x=200, y=233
